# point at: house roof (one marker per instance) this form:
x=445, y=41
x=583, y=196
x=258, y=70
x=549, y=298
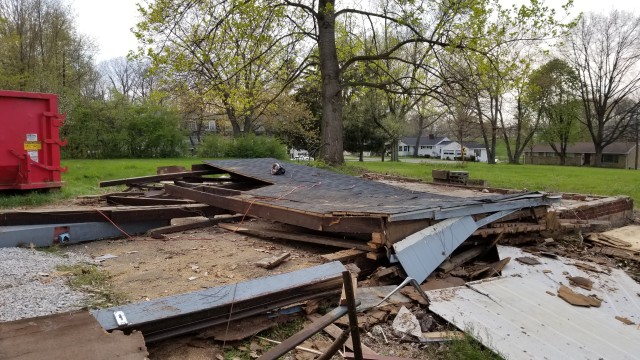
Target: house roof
x=424, y=140
x=588, y=148
x=473, y=145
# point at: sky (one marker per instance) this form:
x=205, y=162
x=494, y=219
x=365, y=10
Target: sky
x=109, y=23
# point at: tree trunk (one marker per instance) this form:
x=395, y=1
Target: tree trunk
x=394, y=150
x=415, y=149
x=331, y=133
x=231, y=114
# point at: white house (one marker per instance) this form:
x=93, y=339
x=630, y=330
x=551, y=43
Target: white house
x=452, y=149
x=441, y=147
x=429, y=145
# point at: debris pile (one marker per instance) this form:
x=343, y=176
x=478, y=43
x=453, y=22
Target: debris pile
x=404, y=266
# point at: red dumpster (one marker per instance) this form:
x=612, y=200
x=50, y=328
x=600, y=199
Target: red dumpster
x=29, y=141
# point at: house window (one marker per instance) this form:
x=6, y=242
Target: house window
x=609, y=158
x=422, y=147
x=399, y=148
x=406, y=148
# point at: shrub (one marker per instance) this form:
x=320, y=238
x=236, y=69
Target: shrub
x=246, y=146
x=214, y=146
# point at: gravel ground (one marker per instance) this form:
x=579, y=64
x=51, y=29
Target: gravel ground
x=29, y=287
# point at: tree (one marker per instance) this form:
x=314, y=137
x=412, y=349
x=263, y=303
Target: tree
x=238, y=54
x=605, y=52
x=491, y=79
x=130, y=77
x=271, y=27
x=553, y=95
x=41, y=50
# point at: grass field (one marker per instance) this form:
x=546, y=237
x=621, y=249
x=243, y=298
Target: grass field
x=584, y=180
x=84, y=175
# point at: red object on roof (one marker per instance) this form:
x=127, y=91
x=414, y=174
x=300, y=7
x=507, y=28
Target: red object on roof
x=30, y=141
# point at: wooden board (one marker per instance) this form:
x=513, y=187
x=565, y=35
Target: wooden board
x=76, y=335
x=334, y=331
x=250, y=229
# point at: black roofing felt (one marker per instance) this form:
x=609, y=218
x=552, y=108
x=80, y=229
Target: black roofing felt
x=311, y=189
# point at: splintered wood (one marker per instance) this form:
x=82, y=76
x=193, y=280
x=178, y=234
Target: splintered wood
x=576, y=299
x=274, y=261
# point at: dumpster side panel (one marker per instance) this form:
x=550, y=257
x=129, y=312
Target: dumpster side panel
x=29, y=140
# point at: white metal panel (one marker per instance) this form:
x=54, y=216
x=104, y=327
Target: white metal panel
x=520, y=320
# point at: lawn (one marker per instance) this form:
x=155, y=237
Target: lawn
x=84, y=175
x=584, y=180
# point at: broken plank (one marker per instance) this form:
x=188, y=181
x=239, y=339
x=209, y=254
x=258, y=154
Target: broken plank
x=272, y=262
x=144, y=201
x=334, y=331
x=354, y=285
x=158, y=233
x=461, y=258
x=343, y=255
x=158, y=178
x=351, y=356
x=444, y=335
x=313, y=239
x=510, y=230
x=75, y=335
x=217, y=190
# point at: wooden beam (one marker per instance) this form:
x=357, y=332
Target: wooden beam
x=510, y=230
x=118, y=214
x=344, y=255
x=334, y=331
x=158, y=233
x=144, y=201
x=257, y=208
x=274, y=261
x=158, y=178
x=461, y=258
x=308, y=238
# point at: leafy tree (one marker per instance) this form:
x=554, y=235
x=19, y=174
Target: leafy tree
x=41, y=50
x=604, y=50
x=237, y=54
x=118, y=128
x=202, y=34
x=553, y=95
x=509, y=37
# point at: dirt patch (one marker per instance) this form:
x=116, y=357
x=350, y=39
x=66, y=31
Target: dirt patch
x=147, y=268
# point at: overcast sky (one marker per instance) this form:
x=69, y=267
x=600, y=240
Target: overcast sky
x=109, y=23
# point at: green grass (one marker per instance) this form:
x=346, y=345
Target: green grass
x=95, y=282
x=584, y=180
x=84, y=175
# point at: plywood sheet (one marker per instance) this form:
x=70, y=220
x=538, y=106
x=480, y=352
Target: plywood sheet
x=76, y=335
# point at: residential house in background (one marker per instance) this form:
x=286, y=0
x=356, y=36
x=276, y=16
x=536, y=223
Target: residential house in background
x=621, y=155
x=430, y=145
x=452, y=149
x=441, y=147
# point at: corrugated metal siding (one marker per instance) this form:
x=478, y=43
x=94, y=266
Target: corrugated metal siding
x=521, y=320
